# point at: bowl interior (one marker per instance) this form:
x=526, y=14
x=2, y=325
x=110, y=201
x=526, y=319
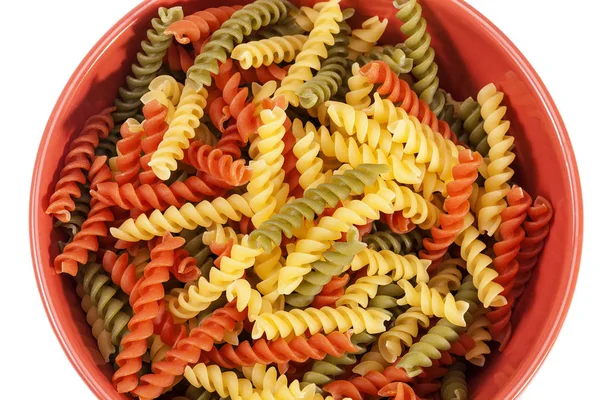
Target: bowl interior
x=470, y=53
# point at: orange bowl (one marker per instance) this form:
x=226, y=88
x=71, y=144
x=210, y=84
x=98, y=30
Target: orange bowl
x=471, y=52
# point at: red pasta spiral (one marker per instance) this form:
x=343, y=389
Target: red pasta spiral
x=185, y=268
x=263, y=74
x=145, y=298
x=280, y=351
x=463, y=345
x=221, y=250
x=164, y=325
x=155, y=126
x=372, y=384
x=226, y=72
x=129, y=150
x=188, y=350
x=331, y=292
x=537, y=228
x=398, y=91
x=178, y=58
x=159, y=196
x=78, y=160
x=121, y=272
x=399, y=391
x=234, y=96
x=220, y=166
x=231, y=142
x=457, y=207
x=86, y=240
x=199, y=25
x=219, y=113
x=398, y=223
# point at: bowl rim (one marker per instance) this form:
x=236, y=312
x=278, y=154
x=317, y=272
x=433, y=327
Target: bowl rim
x=525, y=374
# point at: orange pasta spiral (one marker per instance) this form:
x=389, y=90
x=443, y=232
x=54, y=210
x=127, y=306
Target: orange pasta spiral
x=158, y=196
x=398, y=91
x=86, y=240
x=178, y=58
x=185, y=268
x=219, y=165
x=536, y=229
x=164, y=326
x=145, y=298
x=129, y=150
x=231, y=142
x=505, y=262
x=121, y=272
x=188, y=350
x=155, y=126
x=457, y=207
x=373, y=383
x=198, y=26
x=280, y=351
x=331, y=292
x=78, y=160
x=264, y=73
x=398, y=223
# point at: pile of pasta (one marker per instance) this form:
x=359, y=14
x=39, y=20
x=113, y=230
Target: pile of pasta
x=277, y=207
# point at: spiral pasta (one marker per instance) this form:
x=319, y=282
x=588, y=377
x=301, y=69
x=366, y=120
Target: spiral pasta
x=241, y=23
x=268, y=51
x=406, y=327
x=364, y=38
x=97, y=324
x=309, y=164
x=360, y=292
x=469, y=112
x=398, y=243
x=328, y=80
x=417, y=43
x=479, y=333
x=322, y=271
x=359, y=89
x=325, y=26
x=284, y=323
x=432, y=303
x=386, y=262
x=185, y=119
x=78, y=161
x=149, y=61
x=499, y=171
x=454, y=383
x=393, y=56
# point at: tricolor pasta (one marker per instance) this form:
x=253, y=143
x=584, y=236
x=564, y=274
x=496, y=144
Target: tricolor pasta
x=285, y=210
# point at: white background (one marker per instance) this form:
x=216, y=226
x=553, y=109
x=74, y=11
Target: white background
x=47, y=41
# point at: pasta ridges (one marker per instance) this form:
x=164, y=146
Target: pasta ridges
x=128, y=152
x=78, y=160
x=221, y=166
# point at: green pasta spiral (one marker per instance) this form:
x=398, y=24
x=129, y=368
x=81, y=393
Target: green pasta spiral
x=149, y=62
x=454, y=383
x=313, y=203
x=326, y=370
x=393, y=56
x=232, y=32
x=437, y=339
x=386, y=299
x=112, y=303
x=329, y=79
x=333, y=264
x=419, y=49
x=285, y=27
x=470, y=114
x=406, y=243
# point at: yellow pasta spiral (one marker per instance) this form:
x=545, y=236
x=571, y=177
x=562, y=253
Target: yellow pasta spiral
x=313, y=50
x=220, y=234
x=386, y=261
x=365, y=288
x=406, y=327
x=185, y=119
x=199, y=296
x=432, y=303
x=479, y=332
x=266, y=184
x=270, y=387
x=348, y=150
x=297, y=321
x=297, y=263
x=189, y=217
x=364, y=38
x=247, y=297
x=226, y=384
x=309, y=164
x=413, y=206
x=499, y=172
x=167, y=91
x=448, y=277
x=359, y=95
x=471, y=250
x=268, y=51
x=157, y=349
